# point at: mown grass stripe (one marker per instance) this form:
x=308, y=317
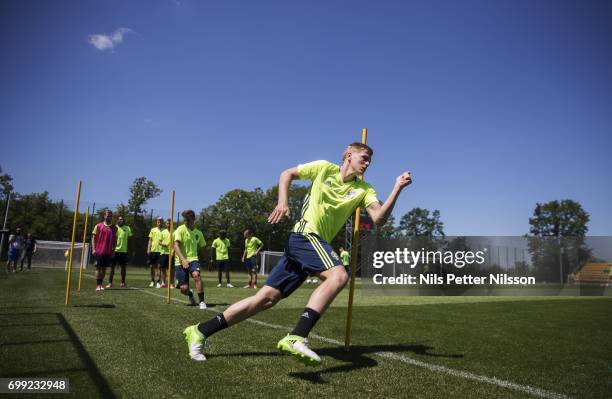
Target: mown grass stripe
x=534, y=391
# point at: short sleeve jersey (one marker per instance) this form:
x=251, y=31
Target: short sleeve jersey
x=251, y=245
x=105, y=236
x=30, y=243
x=17, y=241
x=190, y=241
x=165, y=239
x=123, y=233
x=330, y=201
x=221, y=248
x=155, y=236
x=346, y=258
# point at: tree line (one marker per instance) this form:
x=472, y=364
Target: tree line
x=240, y=209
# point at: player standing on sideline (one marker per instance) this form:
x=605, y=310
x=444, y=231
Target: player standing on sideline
x=153, y=251
x=335, y=193
x=30, y=248
x=103, y=241
x=164, y=255
x=15, y=248
x=120, y=256
x=187, y=241
x=220, y=256
x=252, y=246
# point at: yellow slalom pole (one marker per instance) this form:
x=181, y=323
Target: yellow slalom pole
x=74, y=223
x=170, y=250
x=83, y=250
x=354, y=254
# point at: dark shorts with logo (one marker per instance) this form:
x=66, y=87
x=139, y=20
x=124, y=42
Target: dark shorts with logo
x=305, y=255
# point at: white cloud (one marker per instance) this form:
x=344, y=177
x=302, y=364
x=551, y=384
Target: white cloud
x=108, y=42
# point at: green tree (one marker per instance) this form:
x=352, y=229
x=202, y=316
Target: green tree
x=556, y=242
x=564, y=218
x=388, y=230
x=141, y=191
x=239, y=209
x=45, y=218
x=6, y=187
x=6, y=183
x=418, y=222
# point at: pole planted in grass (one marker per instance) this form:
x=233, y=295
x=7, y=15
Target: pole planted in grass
x=354, y=253
x=74, y=223
x=169, y=277
x=83, y=250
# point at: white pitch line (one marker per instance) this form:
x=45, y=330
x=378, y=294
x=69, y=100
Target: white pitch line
x=542, y=393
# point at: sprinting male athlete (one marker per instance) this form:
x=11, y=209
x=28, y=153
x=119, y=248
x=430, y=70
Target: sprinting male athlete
x=187, y=241
x=335, y=193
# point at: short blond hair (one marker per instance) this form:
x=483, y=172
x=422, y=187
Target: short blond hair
x=356, y=146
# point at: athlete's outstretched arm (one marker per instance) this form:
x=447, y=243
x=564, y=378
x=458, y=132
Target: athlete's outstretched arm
x=282, y=208
x=380, y=213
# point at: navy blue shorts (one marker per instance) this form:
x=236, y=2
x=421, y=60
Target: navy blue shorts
x=104, y=260
x=153, y=259
x=182, y=275
x=305, y=255
x=13, y=254
x=120, y=258
x=222, y=264
x=163, y=261
x=251, y=263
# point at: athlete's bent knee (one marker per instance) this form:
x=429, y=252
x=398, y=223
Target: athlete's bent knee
x=268, y=299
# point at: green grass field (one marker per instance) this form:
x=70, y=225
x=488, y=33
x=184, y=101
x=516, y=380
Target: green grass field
x=128, y=343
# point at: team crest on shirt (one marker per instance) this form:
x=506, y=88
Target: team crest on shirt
x=328, y=183
x=351, y=194
x=335, y=255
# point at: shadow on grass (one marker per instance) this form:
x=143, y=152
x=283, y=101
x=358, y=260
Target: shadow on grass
x=356, y=358
x=102, y=305
x=99, y=380
x=44, y=341
x=38, y=365
x=30, y=325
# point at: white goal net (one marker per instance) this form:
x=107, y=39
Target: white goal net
x=55, y=254
x=268, y=261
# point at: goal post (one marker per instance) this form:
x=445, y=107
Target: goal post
x=55, y=254
x=269, y=259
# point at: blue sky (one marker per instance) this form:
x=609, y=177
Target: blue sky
x=493, y=106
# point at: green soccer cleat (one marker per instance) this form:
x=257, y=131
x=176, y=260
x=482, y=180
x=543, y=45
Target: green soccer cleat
x=297, y=347
x=195, y=342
